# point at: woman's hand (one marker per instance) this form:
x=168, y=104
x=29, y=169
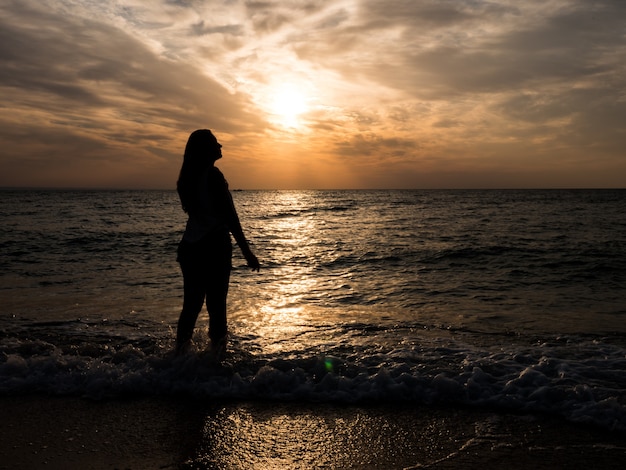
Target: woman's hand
x=253, y=262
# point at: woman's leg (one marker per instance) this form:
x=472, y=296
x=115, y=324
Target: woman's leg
x=194, y=292
x=217, y=289
x=192, y=304
x=216, y=294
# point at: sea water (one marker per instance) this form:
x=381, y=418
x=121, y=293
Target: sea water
x=510, y=300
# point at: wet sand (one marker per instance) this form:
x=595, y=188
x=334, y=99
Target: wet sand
x=71, y=433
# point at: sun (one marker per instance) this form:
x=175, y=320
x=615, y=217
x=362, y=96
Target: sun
x=287, y=104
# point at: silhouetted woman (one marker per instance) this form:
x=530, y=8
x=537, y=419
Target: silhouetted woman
x=205, y=251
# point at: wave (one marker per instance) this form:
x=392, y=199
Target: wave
x=581, y=379
x=306, y=211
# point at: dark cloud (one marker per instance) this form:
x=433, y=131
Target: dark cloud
x=468, y=51
x=425, y=14
x=332, y=20
x=272, y=15
x=376, y=146
x=201, y=29
x=563, y=64
x=84, y=90
x=94, y=65
x=589, y=119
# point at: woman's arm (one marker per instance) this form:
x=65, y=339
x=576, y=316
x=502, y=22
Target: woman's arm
x=229, y=214
x=234, y=225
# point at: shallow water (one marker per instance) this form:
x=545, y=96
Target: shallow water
x=507, y=299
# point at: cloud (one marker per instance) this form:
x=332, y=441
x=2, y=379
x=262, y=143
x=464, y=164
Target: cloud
x=88, y=90
x=399, y=92
x=523, y=73
x=200, y=29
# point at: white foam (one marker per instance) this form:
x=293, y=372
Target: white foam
x=584, y=384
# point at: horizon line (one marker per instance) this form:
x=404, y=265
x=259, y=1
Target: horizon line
x=82, y=188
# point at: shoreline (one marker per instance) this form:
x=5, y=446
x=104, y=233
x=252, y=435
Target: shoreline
x=166, y=433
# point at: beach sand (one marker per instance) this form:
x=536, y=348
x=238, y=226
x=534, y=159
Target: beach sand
x=71, y=433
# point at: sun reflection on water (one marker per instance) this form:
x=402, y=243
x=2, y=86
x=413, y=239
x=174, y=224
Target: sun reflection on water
x=272, y=436
x=285, y=311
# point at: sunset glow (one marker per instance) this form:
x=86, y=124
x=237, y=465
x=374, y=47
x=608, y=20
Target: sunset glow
x=287, y=104
x=329, y=94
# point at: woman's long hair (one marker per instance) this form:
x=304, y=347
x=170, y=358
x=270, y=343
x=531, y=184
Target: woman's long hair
x=196, y=160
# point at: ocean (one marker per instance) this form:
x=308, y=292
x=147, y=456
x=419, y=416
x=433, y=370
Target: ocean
x=507, y=300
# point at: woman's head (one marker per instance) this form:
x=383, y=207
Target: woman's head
x=202, y=148
x=201, y=151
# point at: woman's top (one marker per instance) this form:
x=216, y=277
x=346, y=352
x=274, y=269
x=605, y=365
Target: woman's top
x=213, y=209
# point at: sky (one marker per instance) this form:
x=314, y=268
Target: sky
x=315, y=94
